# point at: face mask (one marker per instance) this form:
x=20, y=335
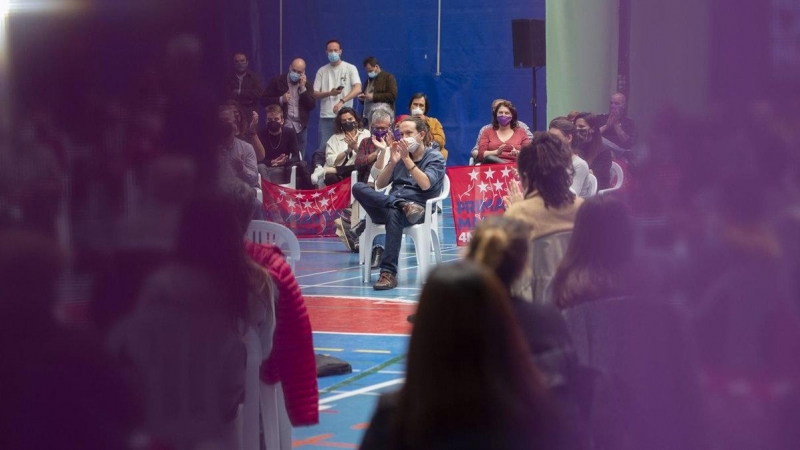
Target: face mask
x=333, y=57
x=348, y=126
x=273, y=126
x=504, y=120
x=294, y=77
x=372, y=74
x=412, y=143
x=380, y=134
x=241, y=67
x=416, y=112
x=582, y=135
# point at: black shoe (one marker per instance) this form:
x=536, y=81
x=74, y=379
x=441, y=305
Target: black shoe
x=377, y=254
x=410, y=318
x=413, y=212
x=346, y=235
x=359, y=227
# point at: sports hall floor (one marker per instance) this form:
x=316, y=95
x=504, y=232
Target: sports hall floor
x=364, y=327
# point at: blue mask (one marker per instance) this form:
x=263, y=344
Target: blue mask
x=372, y=74
x=294, y=77
x=333, y=57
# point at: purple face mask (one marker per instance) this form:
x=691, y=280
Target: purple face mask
x=504, y=120
x=380, y=134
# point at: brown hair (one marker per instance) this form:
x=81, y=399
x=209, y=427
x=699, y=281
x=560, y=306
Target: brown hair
x=511, y=108
x=468, y=367
x=546, y=167
x=422, y=126
x=501, y=244
x=596, y=264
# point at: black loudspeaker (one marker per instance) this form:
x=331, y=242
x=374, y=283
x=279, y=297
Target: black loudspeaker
x=528, y=36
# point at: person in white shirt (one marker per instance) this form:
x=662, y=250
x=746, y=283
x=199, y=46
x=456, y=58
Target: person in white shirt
x=564, y=129
x=340, y=150
x=335, y=86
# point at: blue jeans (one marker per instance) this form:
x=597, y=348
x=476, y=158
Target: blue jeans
x=383, y=209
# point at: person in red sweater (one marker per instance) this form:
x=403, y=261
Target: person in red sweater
x=502, y=142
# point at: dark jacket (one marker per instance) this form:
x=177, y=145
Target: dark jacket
x=385, y=90
x=278, y=86
x=251, y=91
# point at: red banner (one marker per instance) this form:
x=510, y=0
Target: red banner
x=307, y=213
x=477, y=192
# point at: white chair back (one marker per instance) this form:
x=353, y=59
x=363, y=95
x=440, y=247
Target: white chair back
x=263, y=232
x=292, y=184
x=617, y=176
x=592, y=185
x=259, y=192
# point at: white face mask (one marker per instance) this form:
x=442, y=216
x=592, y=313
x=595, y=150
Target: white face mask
x=412, y=143
x=416, y=112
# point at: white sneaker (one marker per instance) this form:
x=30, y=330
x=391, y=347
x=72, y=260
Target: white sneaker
x=318, y=173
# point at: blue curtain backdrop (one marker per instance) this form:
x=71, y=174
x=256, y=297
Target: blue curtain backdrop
x=477, y=63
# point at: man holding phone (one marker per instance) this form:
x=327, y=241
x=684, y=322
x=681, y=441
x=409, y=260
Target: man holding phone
x=335, y=86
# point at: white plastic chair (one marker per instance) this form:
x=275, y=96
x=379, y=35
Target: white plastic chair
x=592, y=185
x=259, y=193
x=423, y=235
x=261, y=397
x=618, y=176
x=263, y=232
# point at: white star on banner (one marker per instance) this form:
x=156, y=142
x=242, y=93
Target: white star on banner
x=331, y=191
x=299, y=196
x=291, y=203
x=498, y=185
x=315, y=194
x=474, y=174
x=489, y=174
x=506, y=172
x=307, y=204
x=324, y=202
x=483, y=186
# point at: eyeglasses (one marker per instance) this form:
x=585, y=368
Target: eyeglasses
x=380, y=128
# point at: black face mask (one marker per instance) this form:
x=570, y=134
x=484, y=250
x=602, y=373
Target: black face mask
x=273, y=126
x=348, y=126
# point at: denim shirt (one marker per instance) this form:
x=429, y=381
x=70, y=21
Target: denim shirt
x=404, y=186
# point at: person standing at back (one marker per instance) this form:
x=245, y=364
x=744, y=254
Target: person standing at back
x=381, y=88
x=335, y=86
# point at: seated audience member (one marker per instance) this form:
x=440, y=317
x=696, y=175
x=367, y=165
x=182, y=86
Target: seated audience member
x=371, y=158
x=59, y=389
x=491, y=396
x=416, y=173
x=237, y=157
x=282, y=152
x=589, y=145
x=501, y=143
x=548, y=207
x=340, y=152
x=419, y=107
x=597, y=264
x=474, y=153
x=381, y=88
x=565, y=131
x=274, y=292
x=185, y=331
x=501, y=244
x=616, y=126
x=245, y=128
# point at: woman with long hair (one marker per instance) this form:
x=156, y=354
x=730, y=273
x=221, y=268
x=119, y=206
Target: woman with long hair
x=489, y=396
x=502, y=142
x=589, y=145
x=245, y=127
x=565, y=130
x=597, y=262
x=341, y=149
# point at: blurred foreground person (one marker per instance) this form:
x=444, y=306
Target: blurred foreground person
x=490, y=396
